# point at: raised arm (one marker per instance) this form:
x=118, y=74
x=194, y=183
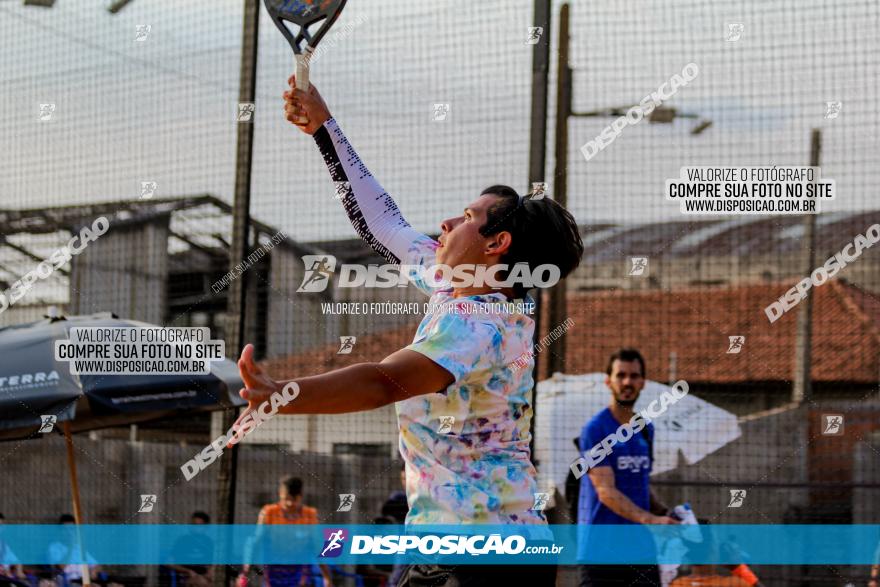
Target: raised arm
x=373, y=213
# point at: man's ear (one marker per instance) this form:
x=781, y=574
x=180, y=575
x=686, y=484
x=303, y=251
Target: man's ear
x=499, y=244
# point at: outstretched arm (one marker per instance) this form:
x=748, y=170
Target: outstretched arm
x=371, y=210
x=364, y=386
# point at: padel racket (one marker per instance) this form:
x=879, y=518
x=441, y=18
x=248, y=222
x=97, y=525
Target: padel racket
x=303, y=14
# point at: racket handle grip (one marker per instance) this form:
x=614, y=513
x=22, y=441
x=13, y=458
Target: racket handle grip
x=302, y=69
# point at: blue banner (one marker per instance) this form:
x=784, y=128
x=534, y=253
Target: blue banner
x=476, y=544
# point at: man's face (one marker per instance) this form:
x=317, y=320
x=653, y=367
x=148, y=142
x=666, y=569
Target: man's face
x=288, y=502
x=461, y=241
x=626, y=381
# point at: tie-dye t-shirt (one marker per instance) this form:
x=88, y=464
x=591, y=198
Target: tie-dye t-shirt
x=467, y=447
x=476, y=468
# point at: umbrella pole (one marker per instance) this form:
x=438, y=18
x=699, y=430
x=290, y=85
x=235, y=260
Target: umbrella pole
x=77, y=513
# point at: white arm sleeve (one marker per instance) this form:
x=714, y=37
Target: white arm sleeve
x=373, y=213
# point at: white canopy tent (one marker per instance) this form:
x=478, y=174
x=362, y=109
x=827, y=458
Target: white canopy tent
x=691, y=426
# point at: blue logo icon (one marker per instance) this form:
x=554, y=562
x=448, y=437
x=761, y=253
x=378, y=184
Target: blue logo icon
x=333, y=542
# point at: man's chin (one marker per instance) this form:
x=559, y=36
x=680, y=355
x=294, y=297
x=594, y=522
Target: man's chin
x=626, y=403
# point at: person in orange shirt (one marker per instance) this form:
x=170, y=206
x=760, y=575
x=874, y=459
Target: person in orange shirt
x=289, y=510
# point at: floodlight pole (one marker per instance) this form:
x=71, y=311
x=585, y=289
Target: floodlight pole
x=538, y=152
x=802, y=386
x=238, y=250
x=558, y=306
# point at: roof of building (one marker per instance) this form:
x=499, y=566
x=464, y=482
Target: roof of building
x=199, y=223
x=737, y=236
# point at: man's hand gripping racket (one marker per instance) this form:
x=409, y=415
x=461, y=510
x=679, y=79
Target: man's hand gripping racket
x=306, y=109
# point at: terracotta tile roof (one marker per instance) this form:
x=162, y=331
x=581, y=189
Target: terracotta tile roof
x=696, y=323
x=368, y=348
x=693, y=323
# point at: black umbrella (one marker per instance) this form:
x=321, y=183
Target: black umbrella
x=33, y=384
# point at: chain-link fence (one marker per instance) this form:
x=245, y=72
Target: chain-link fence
x=134, y=116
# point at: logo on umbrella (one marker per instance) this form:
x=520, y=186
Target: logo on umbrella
x=28, y=379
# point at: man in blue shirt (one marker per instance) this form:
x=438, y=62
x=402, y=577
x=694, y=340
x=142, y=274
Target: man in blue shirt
x=616, y=489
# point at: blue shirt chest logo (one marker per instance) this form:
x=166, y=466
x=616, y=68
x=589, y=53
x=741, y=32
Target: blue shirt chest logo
x=634, y=464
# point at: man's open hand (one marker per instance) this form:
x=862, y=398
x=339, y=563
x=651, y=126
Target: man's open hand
x=306, y=110
x=258, y=385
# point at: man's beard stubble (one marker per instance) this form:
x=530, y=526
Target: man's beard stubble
x=626, y=403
